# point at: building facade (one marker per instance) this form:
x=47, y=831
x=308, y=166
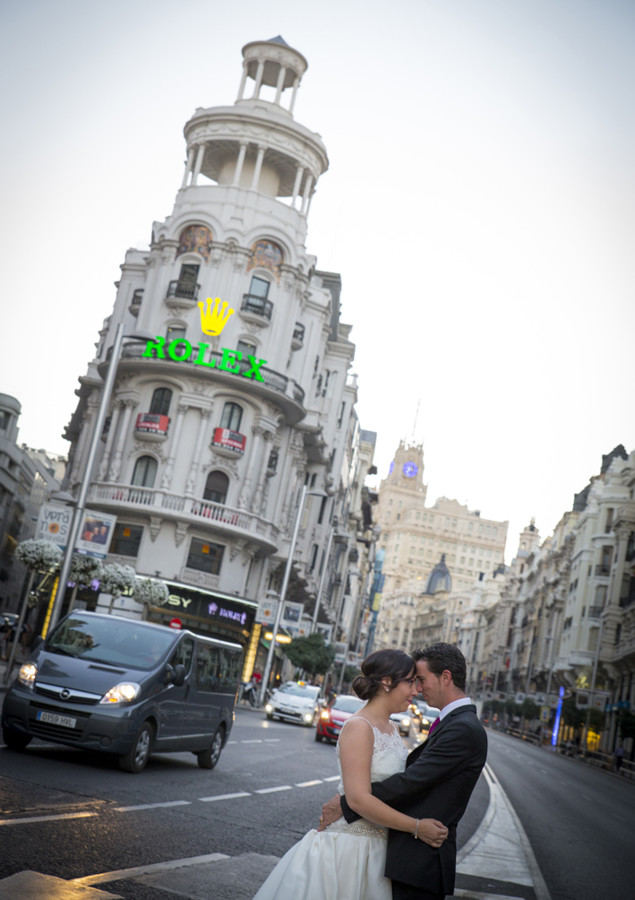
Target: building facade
x=416, y=539
x=242, y=393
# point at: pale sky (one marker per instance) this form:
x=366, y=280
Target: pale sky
x=478, y=205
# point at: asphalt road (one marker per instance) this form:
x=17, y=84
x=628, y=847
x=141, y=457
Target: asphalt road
x=580, y=820
x=71, y=814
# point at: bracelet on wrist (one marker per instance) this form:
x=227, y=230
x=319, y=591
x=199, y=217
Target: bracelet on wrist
x=416, y=831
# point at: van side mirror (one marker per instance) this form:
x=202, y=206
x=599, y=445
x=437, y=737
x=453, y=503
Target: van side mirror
x=175, y=675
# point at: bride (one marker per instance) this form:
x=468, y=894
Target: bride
x=346, y=862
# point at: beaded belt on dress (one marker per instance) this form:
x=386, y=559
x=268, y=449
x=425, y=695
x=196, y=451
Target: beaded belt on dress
x=360, y=827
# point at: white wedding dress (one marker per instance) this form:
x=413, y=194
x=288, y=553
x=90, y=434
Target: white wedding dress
x=343, y=862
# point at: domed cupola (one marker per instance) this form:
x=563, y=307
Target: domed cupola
x=256, y=145
x=439, y=578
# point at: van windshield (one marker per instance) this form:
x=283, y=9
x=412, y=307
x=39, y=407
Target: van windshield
x=115, y=641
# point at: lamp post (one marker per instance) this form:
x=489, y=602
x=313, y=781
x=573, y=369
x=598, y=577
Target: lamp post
x=80, y=505
x=322, y=580
x=285, y=583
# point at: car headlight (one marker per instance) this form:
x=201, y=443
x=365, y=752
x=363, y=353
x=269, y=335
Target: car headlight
x=325, y=715
x=124, y=692
x=27, y=673
x=308, y=716
x=406, y=721
x=268, y=707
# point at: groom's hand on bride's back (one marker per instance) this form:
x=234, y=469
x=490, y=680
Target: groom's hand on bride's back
x=331, y=812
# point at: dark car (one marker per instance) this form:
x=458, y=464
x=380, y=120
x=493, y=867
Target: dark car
x=103, y=682
x=332, y=717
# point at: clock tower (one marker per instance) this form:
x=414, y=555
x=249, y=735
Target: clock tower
x=406, y=470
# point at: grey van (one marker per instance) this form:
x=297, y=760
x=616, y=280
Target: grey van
x=102, y=682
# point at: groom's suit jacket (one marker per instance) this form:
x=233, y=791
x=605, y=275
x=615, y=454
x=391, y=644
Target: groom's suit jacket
x=438, y=781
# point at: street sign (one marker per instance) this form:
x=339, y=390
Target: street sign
x=176, y=623
x=53, y=524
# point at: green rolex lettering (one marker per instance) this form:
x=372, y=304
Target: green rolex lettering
x=255, y=368
x=199, y=361
x=172, y=350
x=230, y=356
x=155, y=345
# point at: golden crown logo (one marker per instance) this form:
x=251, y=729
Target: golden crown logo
x=214, y=317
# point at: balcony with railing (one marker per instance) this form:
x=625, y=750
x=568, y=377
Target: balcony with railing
x=182, y=294
x=273, y=386
x=256, y=309
x=228, y=522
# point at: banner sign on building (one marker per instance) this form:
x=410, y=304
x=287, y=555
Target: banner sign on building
x=266, y=612
x=95, y=533
x=231, y=440
x=53, y=524
x=292, y=617
x=152, y=423
x=324, y=630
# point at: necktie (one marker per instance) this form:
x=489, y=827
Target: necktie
x=436, y=722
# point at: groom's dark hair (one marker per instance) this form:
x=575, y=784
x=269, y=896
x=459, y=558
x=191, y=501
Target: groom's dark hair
x=444, y=656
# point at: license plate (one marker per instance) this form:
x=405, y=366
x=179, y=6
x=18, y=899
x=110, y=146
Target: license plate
x=287, y=711
x=54, y=719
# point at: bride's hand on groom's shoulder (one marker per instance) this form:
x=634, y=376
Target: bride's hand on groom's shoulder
x=331, y=812
x=432, y=832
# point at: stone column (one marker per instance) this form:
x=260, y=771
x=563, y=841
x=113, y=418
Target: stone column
x=296, y=84
x=257, y=168
x=243, y=82
x=166, y=480
x=115, y=467
x=239, y=163
x=307, y=193
x=296, y=185
x=280, y=84
x=110, y=440
x=195, y=465
x=199, y=163
x=258, y=82
x=188, y=166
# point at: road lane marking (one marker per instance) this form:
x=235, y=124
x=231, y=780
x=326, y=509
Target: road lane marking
x=31, y=819
x=308, y=783
x=332, y=778
x=224, y=797
x=122, y=874
x=271, y=790
x=153, y=805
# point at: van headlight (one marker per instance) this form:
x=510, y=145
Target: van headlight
x=308, y=717
x=27, y=673
x=121, y=693
x=268, y=708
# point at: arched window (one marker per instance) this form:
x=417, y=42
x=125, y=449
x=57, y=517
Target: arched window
x=232, y=416
x=145, y=471
x=216, y=487
x=160, y=405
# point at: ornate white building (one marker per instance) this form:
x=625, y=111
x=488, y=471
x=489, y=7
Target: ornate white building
x=235, y=403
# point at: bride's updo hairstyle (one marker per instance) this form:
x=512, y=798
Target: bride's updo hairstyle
x=393, y=664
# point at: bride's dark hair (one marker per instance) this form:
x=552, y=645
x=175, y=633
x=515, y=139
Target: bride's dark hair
x=393, y=664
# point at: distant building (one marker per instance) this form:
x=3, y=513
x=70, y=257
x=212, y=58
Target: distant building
x=445, y=547
x=17, y=475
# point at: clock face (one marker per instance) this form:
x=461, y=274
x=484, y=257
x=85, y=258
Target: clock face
x=410, y=469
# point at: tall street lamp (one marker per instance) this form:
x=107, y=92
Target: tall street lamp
x=80, y=505
x=285, y=583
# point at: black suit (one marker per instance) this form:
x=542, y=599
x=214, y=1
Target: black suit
x=437, y=784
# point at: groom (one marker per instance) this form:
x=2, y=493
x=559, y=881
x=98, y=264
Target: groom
x=438, y=782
